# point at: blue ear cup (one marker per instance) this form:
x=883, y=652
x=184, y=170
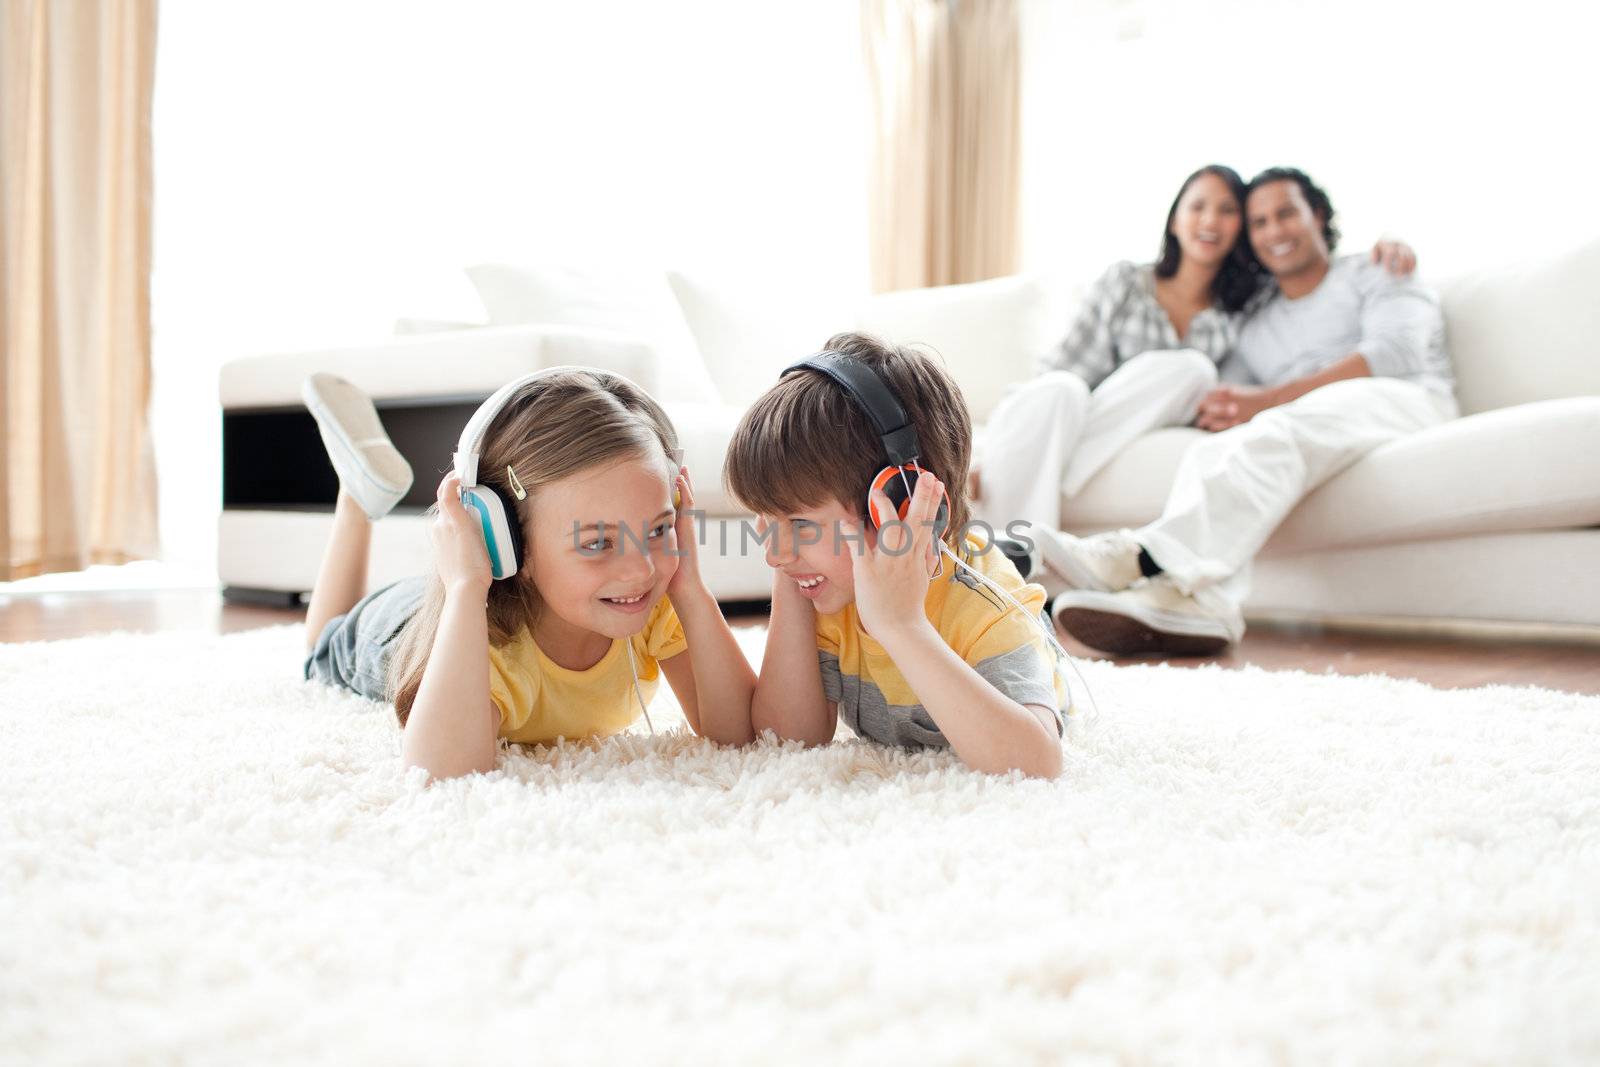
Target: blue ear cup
x=502, y=533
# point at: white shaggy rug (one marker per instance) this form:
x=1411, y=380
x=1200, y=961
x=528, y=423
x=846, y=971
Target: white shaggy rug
x=205, y=860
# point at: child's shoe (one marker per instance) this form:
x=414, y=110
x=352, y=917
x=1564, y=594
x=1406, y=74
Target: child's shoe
x=370, y=468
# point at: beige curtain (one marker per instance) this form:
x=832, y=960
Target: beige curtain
x=77, y=478
x=945, y=82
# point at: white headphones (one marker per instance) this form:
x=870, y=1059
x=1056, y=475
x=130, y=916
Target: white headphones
x=497, y=517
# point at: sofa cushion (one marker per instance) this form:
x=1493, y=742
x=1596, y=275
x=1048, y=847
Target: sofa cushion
x=1529, y=467
x=747, y=334
x=989, y=334
x=1131, y=489
x=636, y=302
x=704, y=431
x=1526, y=331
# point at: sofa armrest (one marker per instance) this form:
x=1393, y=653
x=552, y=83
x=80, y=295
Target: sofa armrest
x=454, y=364
x=408, y=327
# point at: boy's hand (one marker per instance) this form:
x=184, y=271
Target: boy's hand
x=458, y=547
x=687, y=577
x=891, y=571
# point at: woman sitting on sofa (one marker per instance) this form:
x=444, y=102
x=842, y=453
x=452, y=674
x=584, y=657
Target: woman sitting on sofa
x=1141, y=354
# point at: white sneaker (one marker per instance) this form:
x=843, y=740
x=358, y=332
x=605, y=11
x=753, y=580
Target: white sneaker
x=1155, y=617
x=1104, y=561
x=370, y=468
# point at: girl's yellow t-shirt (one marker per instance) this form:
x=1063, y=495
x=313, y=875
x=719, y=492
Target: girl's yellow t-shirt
x=540, y=700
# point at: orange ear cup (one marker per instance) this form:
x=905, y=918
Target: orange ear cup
x=894, y=488
x=677, y=497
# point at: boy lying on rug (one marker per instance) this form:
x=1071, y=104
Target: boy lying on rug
x=565, y=558
x=926, y=634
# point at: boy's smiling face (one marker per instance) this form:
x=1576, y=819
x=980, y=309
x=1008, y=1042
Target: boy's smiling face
x=808, y=547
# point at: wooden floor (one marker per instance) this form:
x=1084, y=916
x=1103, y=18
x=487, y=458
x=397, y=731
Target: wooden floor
x=1449, y=663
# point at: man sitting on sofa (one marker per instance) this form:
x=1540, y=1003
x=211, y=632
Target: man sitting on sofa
x=1341, y=357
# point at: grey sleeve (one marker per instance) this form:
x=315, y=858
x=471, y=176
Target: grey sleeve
x=1401, y=326
x=1021, y=675
x=1089, y=349
x=828, y=663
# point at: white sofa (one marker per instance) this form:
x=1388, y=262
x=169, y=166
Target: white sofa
x=1493, y=519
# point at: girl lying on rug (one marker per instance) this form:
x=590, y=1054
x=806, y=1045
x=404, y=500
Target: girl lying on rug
x=566, y=565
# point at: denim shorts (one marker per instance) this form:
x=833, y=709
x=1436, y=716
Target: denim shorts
x=353, y=649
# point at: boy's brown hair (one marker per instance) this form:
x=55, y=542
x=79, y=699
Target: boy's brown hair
x=806, y=442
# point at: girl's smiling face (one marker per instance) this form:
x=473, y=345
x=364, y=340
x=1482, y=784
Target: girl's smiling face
x=808, y=547
x=603, y=544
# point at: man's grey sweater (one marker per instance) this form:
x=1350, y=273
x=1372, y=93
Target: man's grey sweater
x=1359, y=307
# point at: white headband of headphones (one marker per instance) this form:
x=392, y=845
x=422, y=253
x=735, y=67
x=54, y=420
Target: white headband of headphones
x=470, y=446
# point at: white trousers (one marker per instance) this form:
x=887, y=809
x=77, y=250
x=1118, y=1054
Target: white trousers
x=1234, y=488
x=1050, y=435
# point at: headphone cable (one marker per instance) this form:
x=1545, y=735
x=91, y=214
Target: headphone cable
x=633, y=668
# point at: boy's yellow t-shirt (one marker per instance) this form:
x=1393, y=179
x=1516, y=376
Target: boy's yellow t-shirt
x=986, y=631
x=540, y=700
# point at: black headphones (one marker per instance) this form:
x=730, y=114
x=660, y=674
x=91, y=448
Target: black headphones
x=883, y=408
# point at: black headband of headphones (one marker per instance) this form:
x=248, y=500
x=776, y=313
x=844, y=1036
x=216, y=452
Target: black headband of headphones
x=873, y=395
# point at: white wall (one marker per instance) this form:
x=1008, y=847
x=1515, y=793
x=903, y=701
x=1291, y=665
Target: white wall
x=323, y=168
x=1464, y=127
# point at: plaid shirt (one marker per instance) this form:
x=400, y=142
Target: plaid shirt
x=1120, y=318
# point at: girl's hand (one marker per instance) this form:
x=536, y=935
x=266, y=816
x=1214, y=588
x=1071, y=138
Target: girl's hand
x=687, y=577
x=458, y=548
x=891, y=571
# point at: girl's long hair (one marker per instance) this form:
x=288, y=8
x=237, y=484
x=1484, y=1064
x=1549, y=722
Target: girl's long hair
x=1240, y=275
x=553, y=427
